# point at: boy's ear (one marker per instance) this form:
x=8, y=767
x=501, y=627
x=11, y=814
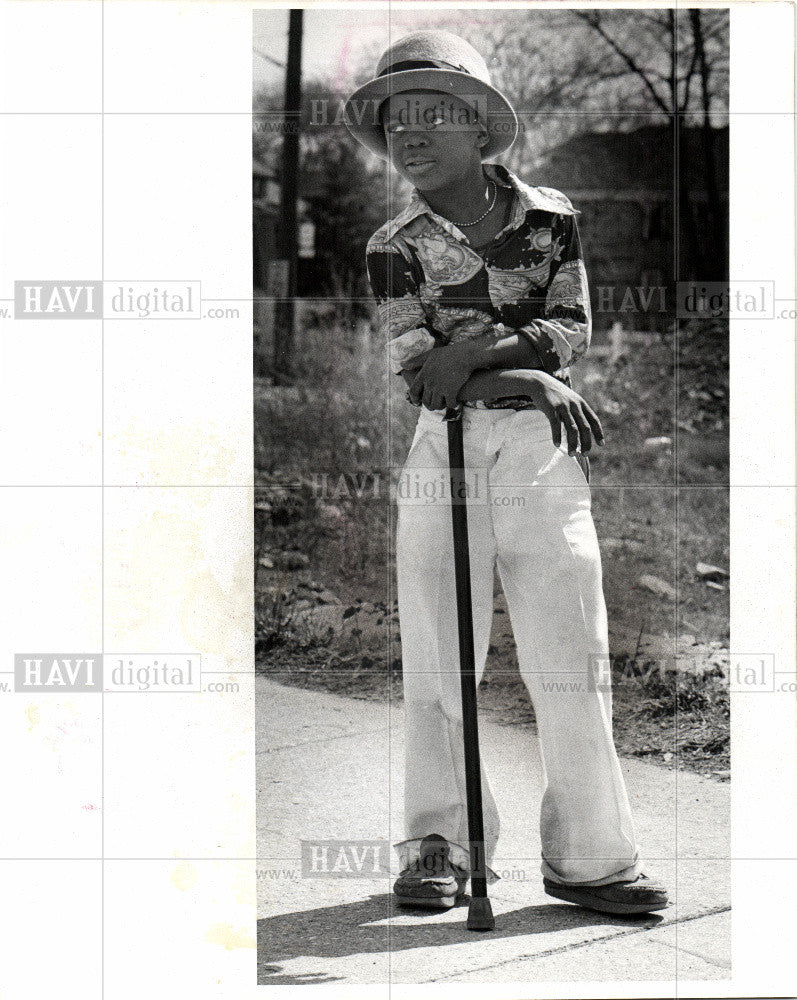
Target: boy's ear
x=483, y=138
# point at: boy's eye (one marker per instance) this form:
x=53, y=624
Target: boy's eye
x=397, y=128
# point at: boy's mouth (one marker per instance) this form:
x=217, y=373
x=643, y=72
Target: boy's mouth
x=418, y=165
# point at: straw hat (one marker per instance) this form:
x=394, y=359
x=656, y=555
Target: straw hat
x=431, y=60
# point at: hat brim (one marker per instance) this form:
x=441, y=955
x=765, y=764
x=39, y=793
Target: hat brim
x=362, y=108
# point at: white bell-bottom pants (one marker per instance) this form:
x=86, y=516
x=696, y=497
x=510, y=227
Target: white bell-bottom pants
x=529, y=515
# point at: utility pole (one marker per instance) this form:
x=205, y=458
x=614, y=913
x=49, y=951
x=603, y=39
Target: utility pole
x=283, y=269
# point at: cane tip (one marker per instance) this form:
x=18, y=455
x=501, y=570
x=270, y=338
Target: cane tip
x=480, y=915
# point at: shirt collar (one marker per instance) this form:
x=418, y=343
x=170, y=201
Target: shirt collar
x=529, y=199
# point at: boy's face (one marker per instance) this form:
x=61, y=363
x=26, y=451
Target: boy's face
x=433, y=139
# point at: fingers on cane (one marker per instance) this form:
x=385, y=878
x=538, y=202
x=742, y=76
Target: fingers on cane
x=449, y=400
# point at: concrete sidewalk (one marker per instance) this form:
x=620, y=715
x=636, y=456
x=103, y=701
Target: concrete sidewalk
x=330, y=768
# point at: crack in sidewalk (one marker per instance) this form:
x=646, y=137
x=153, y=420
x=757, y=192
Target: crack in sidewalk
x=562, y=949
x=323, y=739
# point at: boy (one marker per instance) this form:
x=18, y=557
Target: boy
x=483, y=295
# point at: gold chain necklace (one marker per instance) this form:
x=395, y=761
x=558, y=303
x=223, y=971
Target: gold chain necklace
x=460, y=225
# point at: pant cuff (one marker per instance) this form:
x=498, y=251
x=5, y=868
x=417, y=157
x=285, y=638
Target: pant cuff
x=409, y=851
x=625, y=874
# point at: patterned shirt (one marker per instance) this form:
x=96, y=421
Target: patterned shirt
x=432, y=286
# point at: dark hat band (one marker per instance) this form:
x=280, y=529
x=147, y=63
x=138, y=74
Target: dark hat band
x=399, y=67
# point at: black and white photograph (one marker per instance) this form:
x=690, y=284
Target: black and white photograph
x=399, y=493
x=491, y=396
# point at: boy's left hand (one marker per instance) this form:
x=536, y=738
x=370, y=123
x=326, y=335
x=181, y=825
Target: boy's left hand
x=443, y=373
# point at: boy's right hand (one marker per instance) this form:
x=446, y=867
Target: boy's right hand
x=564, y=408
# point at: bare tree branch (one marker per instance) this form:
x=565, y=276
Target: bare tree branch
x=593, y=20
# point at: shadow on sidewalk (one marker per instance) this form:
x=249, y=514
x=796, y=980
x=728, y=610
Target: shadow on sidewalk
x=356, y=929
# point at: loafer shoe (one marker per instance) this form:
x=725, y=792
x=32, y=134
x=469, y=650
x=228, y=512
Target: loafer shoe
x=642, y=895
x=431, y=881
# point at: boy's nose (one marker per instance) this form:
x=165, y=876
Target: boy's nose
x=413, y=139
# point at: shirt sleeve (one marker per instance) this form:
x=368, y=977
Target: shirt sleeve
x=401, y=312
x=563, y=336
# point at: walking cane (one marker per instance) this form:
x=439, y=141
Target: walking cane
x=480, y=913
